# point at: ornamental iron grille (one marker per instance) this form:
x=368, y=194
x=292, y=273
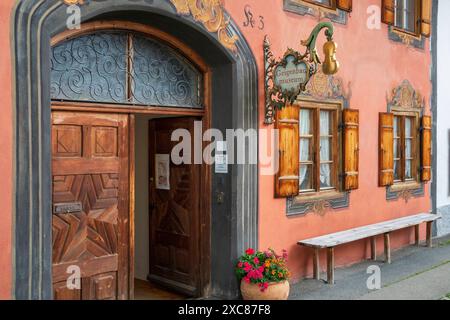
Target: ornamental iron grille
x=123, y=68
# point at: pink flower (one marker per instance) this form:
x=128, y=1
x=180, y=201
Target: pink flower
x=250, y=251
x=261, y=269
x=240, y=265
x=247, y=279
x=256, y=260
x=255, y=274
x=247, y=267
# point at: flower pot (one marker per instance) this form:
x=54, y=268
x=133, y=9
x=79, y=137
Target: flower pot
x=275, y=291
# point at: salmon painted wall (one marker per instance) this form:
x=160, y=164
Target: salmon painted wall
x=373, y=65
x=6, y=137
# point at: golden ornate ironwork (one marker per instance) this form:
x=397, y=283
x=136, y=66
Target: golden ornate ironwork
x=276, y=98
x=211, y=15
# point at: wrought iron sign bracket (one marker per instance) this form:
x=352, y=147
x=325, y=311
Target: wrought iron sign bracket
x=286, y=78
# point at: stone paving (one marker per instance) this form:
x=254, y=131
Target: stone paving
x=416, y=273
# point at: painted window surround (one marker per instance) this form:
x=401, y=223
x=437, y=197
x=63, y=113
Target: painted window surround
x=315, y=10
x=405, y=99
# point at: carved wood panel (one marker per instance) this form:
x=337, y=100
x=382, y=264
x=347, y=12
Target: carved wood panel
x=89, y=238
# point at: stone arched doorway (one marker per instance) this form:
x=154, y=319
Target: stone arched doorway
x=234, y=87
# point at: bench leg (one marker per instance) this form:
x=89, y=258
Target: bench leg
x=429, y=234
x=373, y=248
x=387, y=248
x=330, y=265
x=417, y=233
x=316, y=264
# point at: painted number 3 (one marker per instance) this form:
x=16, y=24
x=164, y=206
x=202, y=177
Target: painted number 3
x=250, y=19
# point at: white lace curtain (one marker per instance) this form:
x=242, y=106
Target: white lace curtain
x=325, y=149
x=305, y=129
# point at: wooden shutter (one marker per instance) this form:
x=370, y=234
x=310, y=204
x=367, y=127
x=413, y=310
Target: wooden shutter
x=388, y=12
x=287, y=180
x=425, y=18
x=345, y=5
x=426, y=148
x=351, y=149
x=386, y=152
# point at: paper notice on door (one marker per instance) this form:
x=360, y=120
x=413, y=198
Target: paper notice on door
x=221, y=163
x=162, y=171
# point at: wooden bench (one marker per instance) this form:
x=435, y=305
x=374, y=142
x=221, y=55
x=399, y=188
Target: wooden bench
x=330, y=241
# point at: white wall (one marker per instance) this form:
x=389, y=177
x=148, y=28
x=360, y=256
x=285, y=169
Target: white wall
x=443, y=116
x=141, y=203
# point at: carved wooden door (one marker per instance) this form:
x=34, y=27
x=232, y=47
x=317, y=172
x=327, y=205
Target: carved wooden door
x=90, y=205
x=174, y=209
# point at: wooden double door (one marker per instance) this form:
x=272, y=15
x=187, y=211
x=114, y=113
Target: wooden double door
x=92, y=248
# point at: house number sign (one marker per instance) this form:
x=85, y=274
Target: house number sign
x=285, y=79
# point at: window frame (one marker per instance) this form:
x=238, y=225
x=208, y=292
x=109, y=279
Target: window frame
x=414, y=182
x=337, y=144
x=417, y=27
x=332, y=7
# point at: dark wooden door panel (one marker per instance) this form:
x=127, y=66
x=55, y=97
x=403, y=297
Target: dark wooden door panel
x=90, y=172
x=174, y=222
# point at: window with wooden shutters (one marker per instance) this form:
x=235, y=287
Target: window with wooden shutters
x=412, y=17
x=399, y=149
x=318, y=158
x=326, y=136
x=405, y=149
x=405, y=137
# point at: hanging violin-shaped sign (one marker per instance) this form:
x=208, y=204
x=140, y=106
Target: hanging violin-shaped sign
x=287, y=78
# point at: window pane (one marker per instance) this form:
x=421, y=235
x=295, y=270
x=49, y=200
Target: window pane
x=325, y=176
x=408, y=149
x=396, y=126
x=408, y=127
x=397, y=173
x=325, y=149
x=325, y=123
x=305, y=154
x=306, y=178
x=396, y=148
x=408, y=169
x=305, y=122
x=405, y=15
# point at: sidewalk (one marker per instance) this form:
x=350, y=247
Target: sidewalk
x=415, y=274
